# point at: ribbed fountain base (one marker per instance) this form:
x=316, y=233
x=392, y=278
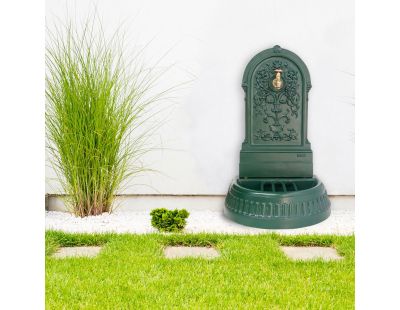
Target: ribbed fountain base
x=277, y=203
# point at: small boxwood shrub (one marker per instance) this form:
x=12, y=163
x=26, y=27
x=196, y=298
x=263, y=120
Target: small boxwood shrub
x=169, y=220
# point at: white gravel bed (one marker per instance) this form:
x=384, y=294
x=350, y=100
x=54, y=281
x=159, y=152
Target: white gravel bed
x=340, y=222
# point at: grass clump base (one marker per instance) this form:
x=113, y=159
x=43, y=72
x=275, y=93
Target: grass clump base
x=251, y=273
x=169, y=220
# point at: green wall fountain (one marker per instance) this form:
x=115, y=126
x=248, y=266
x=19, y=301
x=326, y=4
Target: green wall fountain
x=276, y=187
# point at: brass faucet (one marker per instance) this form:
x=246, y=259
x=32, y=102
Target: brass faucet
x=277, y=82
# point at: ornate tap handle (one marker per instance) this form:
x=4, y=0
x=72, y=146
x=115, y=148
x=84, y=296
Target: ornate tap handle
x=277, y=82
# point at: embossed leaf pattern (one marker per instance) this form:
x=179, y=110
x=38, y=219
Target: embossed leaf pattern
x=270, y=104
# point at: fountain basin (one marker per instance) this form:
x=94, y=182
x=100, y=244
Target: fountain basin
x=277, y=203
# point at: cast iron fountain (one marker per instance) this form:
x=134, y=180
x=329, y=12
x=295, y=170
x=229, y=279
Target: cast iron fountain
x=276, y=187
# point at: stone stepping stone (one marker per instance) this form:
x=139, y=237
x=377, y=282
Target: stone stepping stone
x=311, y=253
x=185, y=251
x=78, y=251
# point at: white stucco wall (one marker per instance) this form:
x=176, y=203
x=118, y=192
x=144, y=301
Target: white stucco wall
x=213, y=41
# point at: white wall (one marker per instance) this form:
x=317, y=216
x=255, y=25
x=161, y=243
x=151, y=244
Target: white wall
x=214, y=40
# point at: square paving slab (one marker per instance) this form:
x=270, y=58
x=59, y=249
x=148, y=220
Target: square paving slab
x=78, y=251
x=185, y=251
x=310, y=253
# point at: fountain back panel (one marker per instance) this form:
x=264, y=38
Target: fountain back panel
x=276, y=187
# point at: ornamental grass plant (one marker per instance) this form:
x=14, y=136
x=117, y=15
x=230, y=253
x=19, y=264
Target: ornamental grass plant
x=97, y=105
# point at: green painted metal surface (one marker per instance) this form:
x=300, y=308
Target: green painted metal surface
x=277, y=202
x=276, y=187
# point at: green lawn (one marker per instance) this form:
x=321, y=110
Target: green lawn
x=252, y=273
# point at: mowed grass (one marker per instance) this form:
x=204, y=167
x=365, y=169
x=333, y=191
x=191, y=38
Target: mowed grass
x=252, y=273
